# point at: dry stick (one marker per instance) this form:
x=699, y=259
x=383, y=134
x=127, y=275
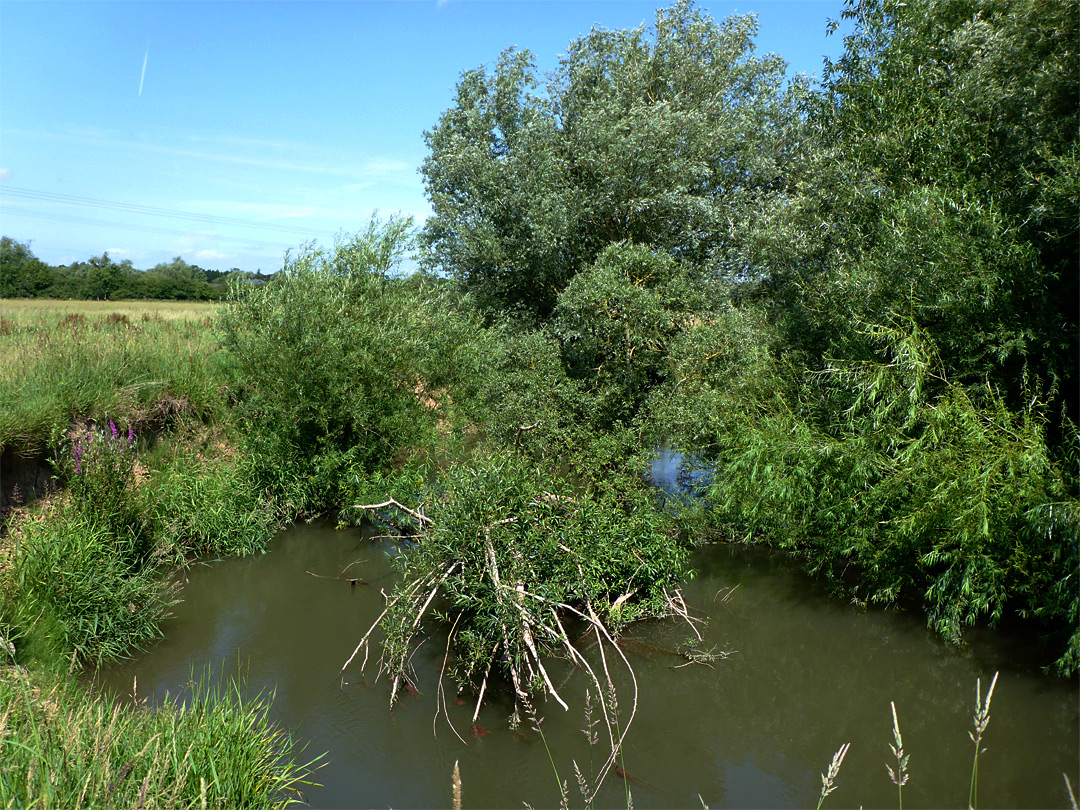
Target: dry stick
x=519, y=600
x=514, y=677
x=440, y=692
x=588, y=668
x=366, y=637
x=416, y=622
x=483, y=688
x=677, y=605
x=391, y=502
x=350, y=580
x=599, y=626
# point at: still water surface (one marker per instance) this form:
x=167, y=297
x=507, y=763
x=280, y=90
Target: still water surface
x=805, y=674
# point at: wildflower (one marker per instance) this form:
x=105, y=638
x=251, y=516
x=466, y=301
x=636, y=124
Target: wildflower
x=131, y=437
x=112, y=427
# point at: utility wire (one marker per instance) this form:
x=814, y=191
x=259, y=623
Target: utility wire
x=25, y=212
x=71, y=199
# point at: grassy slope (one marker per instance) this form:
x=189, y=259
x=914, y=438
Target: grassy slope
x=154, y=367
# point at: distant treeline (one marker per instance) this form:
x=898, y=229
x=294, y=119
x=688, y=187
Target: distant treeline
x=23, y=275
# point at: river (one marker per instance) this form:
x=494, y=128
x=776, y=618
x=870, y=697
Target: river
x=803, y=673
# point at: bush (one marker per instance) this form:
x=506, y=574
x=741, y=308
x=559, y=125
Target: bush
x=330, y=362
x=72, y=587
x=934, y=491
x=510, y=547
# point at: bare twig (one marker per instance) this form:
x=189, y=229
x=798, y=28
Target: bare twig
x=350, y=580
x=440, y=691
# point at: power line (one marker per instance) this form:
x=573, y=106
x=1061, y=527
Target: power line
x=25, y=212
x=91, y=202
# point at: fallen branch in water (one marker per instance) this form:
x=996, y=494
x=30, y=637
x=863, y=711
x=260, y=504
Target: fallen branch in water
x=504, y=555
x=354, y=581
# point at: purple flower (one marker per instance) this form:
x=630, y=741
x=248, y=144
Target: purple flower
x=131, y=437
x=112, y=427
x=78, y=467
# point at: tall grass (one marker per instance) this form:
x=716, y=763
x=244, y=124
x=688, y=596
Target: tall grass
x=62, y=746
x=71, y=588
x=144, y=370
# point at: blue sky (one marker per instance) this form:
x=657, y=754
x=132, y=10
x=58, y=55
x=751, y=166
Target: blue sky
x=256, y=126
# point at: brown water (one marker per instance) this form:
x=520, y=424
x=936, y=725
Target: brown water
x=805, y=674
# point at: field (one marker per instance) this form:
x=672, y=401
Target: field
x=64, y=362
x=26, y=311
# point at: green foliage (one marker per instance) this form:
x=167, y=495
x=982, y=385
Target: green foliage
x=614, y=322
x=506, y=543
x=524, y=397
x=661, y=141
x=335, y=359
x=66, y=747
x=934, y=491
x=932, y=185
x=22, y=274
x=198, y=507
x=72, y=587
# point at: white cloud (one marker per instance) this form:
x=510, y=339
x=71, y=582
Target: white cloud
x=5, y=175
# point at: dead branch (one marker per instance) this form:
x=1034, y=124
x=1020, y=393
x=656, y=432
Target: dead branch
x=391, y=502
x=524, y=429
x=350, y=580
x=440, y=691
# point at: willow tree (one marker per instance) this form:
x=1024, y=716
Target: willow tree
x=668, y=137
x=913, y=419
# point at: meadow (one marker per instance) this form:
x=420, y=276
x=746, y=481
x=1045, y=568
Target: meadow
x=68, y=362
x=20, y=312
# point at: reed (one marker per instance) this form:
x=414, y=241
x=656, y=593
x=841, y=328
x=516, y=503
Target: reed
x=63, y=746
x=899, y=777
x=982, y=720
x=828, y=779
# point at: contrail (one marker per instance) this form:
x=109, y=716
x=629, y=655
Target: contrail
x=143, y=77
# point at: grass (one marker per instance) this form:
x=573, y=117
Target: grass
x=71, y=589
x=65, y=362
x=26, y=312
x=899, y=776
x=129, y=399
x=62, y=746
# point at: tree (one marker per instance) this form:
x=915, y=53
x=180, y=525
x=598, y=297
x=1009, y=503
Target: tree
x=935, y=185
x=665, y=141
x=22, y=274
x=919, y=272
x=102, y=277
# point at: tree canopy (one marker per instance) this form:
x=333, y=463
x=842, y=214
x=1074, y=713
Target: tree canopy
x=667, y=139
